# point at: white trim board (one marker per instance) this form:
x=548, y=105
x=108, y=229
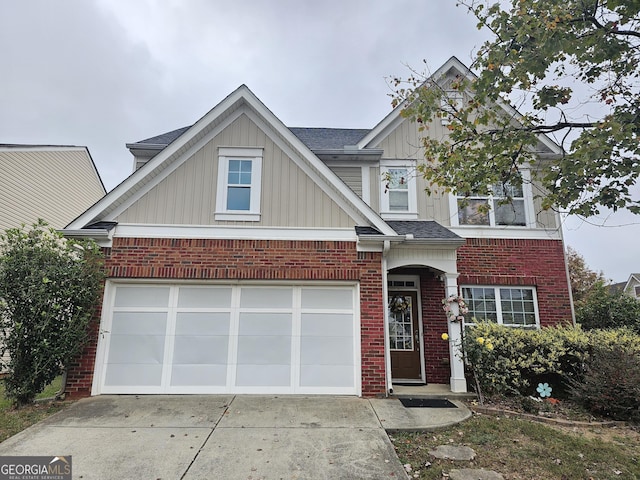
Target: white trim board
x=233, y=232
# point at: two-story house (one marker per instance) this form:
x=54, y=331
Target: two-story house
x=244, y=256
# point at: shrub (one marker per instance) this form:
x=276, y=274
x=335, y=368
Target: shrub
x=610, y=385
x=512, y=361
x=602, y=309
x=49, y=287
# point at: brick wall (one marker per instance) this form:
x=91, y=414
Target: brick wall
x=203, y=259
x=538, y=263
x=434, y=324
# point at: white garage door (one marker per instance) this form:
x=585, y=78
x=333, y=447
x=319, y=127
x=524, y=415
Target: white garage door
x=229, y=339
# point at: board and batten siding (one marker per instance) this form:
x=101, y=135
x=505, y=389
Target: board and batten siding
x=56, y=184
x=403, y=142
x=289, y=198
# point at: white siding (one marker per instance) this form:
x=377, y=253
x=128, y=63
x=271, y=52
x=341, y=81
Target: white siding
x=56, y=185
x=352, y=176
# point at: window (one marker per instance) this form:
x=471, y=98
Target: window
x=510, y=306
x=398, y=190
x=511, y=212
x=399, y=199
x=239, y=178
x=637, y=290
x=450, y=103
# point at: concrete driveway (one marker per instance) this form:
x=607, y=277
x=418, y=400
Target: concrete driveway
x=215, y=436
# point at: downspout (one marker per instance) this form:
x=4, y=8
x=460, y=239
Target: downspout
x=566, y=268
x=385, y=294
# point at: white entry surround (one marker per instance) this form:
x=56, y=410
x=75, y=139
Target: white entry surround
x=443, y=259
x=240, y=338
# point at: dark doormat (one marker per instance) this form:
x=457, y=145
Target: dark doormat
x=427, y=403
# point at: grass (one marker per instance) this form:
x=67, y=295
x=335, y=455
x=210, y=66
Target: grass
x=521, y=450
x=14, y=420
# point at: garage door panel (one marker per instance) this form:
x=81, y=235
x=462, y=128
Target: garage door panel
x=263, y=376
x=265, y=324
x=202, y=323
x=139, y=323
x=142, y=296
x=326, y=376
x=200, y=350
x=264, y=350
x=132, y=349
x=198, y=375
x=327, y=298
x=142, y=375
x=322, y=324
x=326, y=351
x=260, y=297
x=204, y=297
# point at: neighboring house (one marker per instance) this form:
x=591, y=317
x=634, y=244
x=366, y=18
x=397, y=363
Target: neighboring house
x=630, y=287
x=52, y=182
x=247, y=257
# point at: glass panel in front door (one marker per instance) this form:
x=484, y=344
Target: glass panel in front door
x=400, y=323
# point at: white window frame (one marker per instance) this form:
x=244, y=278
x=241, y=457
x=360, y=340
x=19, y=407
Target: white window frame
x=225, y=154
x=412, y=210
x=451, y=96
x=496, y=289
x=529, y=210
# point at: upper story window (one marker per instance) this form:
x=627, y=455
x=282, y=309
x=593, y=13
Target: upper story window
x=399, y=200
x=509, y=205
x=510, y=306
x=451, y=102
x=239, y=180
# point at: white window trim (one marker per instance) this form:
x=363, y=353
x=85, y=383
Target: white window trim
x=454, y=96
x=496, y=289
x=412, y=212
x=247, y=153
x=529, y=210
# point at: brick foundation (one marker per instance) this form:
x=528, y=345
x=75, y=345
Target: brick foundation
x=209, y=259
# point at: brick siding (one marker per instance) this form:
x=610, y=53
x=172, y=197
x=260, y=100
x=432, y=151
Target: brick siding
x=209, y=259
x=538, y=263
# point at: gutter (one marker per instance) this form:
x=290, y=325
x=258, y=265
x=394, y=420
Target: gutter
x=95, y=233
x=145, y=146
x=369, y=152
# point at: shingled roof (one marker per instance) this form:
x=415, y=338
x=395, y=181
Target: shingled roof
x=422, y=229
x=328, y=138
x=314, y=138
x=165, y=138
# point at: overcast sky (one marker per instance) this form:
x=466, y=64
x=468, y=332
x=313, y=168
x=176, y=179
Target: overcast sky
x=102, y=73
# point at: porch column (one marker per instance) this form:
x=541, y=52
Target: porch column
x=457, y=381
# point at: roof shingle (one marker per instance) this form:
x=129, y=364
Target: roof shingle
x=423, y=229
